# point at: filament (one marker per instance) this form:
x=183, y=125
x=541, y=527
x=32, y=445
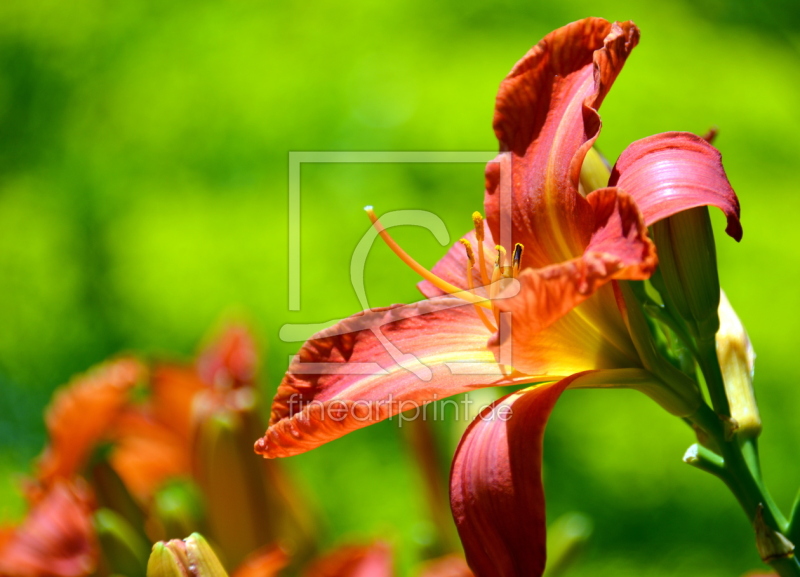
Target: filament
x=471, y=284
x=421, y=270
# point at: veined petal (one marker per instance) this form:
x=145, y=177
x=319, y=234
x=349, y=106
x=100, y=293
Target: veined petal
x=674, y=171
x=496, y=490
x=56, y=539
x=80, y=415
x=549, y=332
x=546, y=120
x=354, y=561
x=376, y=364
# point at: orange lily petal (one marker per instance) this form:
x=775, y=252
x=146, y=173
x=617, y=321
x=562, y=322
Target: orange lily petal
x=146, y=453
x=675, y=171
x=354, y=561
x=266, y=562
x=56, y=539
x=364, y=383
x=548, y=297
x=546, y=120
x=80, y=415
x=496, y=490
x=173, y=389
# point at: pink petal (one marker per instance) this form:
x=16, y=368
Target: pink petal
x=674, y=171
x=496, y=490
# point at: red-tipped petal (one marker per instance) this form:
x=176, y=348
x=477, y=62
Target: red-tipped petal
x=546, y=120
x=496, y=490
x=547, y=335
x=374, y=365
x=354, y=561
x=56, y=539
x=674, y=171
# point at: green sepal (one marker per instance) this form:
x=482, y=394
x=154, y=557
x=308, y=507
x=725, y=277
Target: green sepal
x=190, y=557
x=687, y=259
x=164, y=562
x=677, y=392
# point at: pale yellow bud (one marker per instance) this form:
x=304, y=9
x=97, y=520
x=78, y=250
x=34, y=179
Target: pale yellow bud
x=736, y=360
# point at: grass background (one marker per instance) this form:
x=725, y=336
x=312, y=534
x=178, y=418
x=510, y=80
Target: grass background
x=143, y=194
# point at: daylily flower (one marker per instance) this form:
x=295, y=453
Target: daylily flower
x=549, y=310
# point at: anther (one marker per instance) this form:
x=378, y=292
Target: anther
x=477, y=220
x=480, y=234
x=470, y=254
x=517, y=258
x=501, y=256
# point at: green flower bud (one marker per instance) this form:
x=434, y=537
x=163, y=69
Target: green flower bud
x=687, y=259
x=190, y=557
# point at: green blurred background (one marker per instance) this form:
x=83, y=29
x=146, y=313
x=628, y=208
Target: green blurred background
x=143, y=194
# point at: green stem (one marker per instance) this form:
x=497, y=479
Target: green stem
x=744, y=480
x=707, y=358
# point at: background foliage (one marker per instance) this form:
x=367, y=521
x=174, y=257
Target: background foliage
x=143, y=193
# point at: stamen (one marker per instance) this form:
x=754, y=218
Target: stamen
x=501, y=256
x=497, y=274
x=477, y=221
x=517, y=258
x=470, y=255
x=471, y=284
x=421, y=270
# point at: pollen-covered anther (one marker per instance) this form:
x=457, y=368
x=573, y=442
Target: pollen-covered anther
x=480, y=234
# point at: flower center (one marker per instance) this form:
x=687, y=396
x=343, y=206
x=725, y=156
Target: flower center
x=493, y=284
